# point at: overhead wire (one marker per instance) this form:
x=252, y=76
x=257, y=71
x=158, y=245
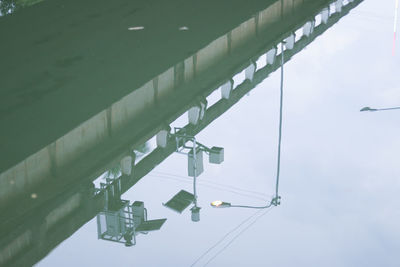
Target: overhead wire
x=214, y=183
x=210, y=186
x=224, y=237
x=239, y=234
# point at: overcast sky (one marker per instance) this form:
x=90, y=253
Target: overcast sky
x=340, y=172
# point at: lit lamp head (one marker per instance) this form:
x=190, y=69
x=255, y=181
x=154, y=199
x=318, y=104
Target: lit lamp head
x=220, y=204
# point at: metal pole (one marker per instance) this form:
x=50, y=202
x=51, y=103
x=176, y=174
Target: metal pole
x=388, y=108
x=106, y=198
x=195, y=172
x=280, y=126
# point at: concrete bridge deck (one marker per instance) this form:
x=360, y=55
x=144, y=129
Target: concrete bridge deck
x=64, y=62
x=126, y=120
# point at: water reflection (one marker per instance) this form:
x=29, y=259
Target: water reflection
x=194, y=151
x=11, y=6
x=59, y=164
x=377, y=109
x=121, y=221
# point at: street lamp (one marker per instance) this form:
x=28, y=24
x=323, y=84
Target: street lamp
x=221, y=204
x=275, y=201
x=376, y=109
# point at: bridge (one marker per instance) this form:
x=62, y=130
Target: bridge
x=61, y=171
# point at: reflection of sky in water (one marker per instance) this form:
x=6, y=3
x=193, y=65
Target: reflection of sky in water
x=340, y=171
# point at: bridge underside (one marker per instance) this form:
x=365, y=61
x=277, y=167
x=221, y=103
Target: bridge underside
x=135, y=117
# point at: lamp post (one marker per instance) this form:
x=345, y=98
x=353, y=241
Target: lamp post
x=275, y=201
x=183, y=199
x=377, y=109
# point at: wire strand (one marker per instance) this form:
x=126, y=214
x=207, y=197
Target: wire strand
x=224, y=237
x=214, y=183
x=210, y=186
x=239, y=234
x=252, y=207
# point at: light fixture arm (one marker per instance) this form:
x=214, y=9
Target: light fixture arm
x=377, y=109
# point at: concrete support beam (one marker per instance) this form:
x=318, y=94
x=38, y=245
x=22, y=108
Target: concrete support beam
x=162, y=138
x=271, y=54
x=194, y=115
x=308, y=28
x=197, y=112
x=325, y=15
x=289, y=41
x=166, y=82
x=226, y=89
x=126, y=164
x=203, y=108
x=189, y=69
x=249, y=71
x=179, y=72
x=338, y=5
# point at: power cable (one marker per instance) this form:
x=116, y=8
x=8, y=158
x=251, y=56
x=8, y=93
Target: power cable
x=224, y=237
x=239, y=234
x=214, y=183
x=210, y=186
